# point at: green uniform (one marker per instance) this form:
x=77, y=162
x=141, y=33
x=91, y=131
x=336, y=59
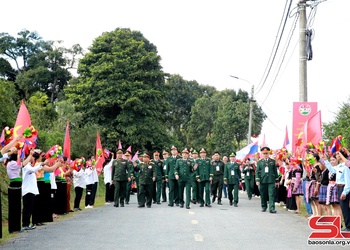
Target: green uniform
x=266, y=174
x=128, y=185
x=248, y=171
x=204, y=172
x=164, y=184
x=157, y=185
x=218, y=179
x=232, y=175
x=183, y=169
x=147, y=172
x=173, y=183
x=194, y=184
x=121, y=171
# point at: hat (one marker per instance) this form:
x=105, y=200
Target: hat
x=119, y=151
x=173, y=147
x=127, y=153
x=232, y=155
x=202, y=150
x=146, y=155
x=165, y=152
x=265, y=149
x=185, y=151
x=194, y=152
x=156, y=153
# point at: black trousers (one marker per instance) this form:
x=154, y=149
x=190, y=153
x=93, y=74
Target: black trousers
x=38, y=210
x=88, y=194
x=28, y=205
x=14, y=206
x=344, y=205
x=216, y=187
x=78, y=195
x=46, y=199
x=109, y=194
x=120, y=192
x=93, y=193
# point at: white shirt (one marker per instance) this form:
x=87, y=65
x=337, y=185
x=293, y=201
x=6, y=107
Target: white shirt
x=79, y=178
x=88, y=176
x=13, y=170
x=107, y=173
x=29, y=183
x=94, y=175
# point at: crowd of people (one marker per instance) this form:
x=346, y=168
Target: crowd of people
x=43, y=184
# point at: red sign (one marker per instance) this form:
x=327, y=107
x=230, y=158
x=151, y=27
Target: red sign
x=302, y=111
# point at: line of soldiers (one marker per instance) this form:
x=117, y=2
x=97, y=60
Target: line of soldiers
x=196, y=174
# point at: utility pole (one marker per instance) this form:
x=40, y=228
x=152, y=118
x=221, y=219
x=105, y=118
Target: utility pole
x=251, y=104
x=302, y=52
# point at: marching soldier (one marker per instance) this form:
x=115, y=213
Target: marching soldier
x=157, y=185
x=204, y=177
x=248, y=171
x=137, y=176
x=194, y=184
x=266, y=179
x=232, y=176
x=170, y=178
x=128, y=185
x=164, y=183
x=147, y=177
x=218, y=179
x=121, y=174
x=183, y=170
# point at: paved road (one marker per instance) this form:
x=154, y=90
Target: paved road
x=163, y=227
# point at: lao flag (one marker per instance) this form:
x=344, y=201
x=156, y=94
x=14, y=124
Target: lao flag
x=248, y=151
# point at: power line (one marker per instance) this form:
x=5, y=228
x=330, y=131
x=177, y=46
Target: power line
x=274, y=54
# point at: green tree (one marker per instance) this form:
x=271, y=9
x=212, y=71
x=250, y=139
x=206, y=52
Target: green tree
x=121, y=88
x=8, y=111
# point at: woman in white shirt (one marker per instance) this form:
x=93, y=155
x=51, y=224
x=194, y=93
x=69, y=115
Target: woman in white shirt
x=30, y=187
x=78, y=182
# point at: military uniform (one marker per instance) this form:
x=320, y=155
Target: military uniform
x=204, y=175
x=218, y=179
x=248, y=171
x=194, y=183
x=128, y=185
x=183, y=170
x=121, y=171
x=173, y=183
x=266, y=175
x=147, y=173
x=164, y=183
x=232, y=176
x=157, y=185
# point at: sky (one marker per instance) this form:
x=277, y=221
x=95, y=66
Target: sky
x=208, y=41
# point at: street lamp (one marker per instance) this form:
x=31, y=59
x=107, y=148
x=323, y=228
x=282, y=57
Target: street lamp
x=251, y=103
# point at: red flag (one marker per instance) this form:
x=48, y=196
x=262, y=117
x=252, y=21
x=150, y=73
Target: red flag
x=119, y=145
x=66, y=145
x=264, y=142
x=22, y=122
x=313, y=129
x=99, y=154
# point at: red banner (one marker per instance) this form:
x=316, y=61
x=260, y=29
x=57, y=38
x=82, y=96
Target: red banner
x=302, y=111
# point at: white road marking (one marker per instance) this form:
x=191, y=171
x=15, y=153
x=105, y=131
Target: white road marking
x=194, y=221
x=198, y=237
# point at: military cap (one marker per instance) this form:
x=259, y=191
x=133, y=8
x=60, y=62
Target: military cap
x=265, y=149
x=165, y=152
x=156, y=153
x=146, y=155
x=202, y=150
x=127, y=153
x=194, y=152
x=232, y=154
x=185, y=151
x=119, y=151
x=173, y=147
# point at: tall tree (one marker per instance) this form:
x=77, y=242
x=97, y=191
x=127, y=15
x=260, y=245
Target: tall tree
x=121, y=88
x=8, y=104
